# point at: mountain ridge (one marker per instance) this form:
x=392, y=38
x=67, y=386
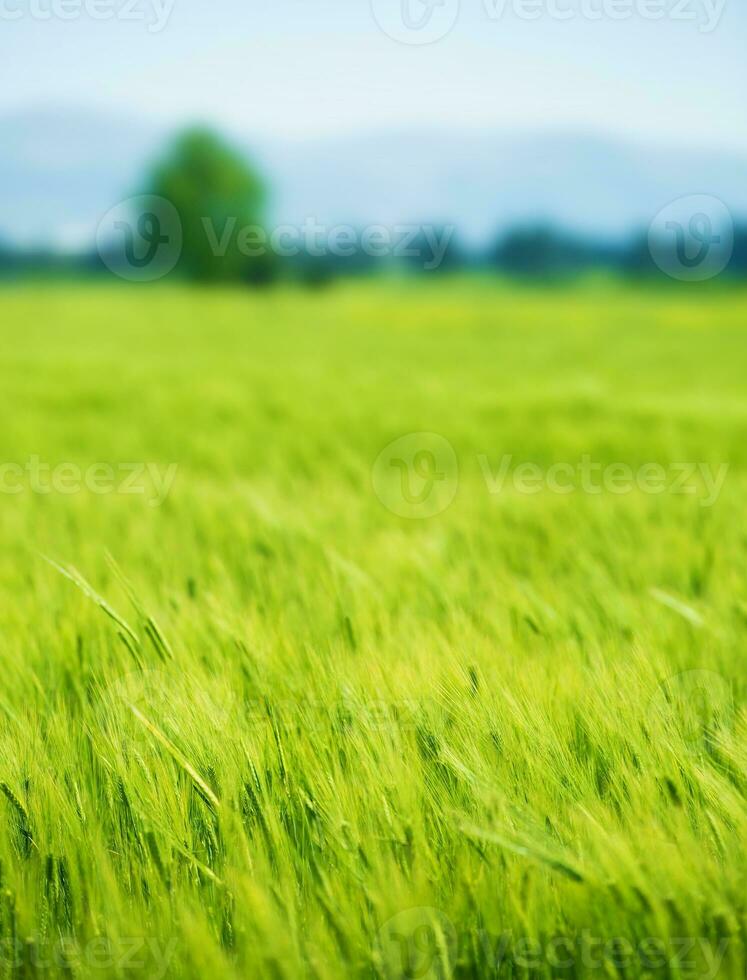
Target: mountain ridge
x=60, y=171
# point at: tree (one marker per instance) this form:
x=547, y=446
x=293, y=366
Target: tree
x=217, y=195
x=542, y=251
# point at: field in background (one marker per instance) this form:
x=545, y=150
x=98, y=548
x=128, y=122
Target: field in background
x=284, y=731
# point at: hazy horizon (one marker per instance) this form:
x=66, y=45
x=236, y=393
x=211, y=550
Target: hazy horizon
x=302, y=70
x=591, y=121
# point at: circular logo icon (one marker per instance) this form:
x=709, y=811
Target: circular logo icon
x=697, y=702
x=692, y=239
x=140, y=239
x=417, y=944
x=151, y=692
x=415, y=21
x=417, y=475
x=163, y=700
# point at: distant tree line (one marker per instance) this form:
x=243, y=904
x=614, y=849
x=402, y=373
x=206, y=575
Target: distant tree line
x=526, y=252
x=216, y=193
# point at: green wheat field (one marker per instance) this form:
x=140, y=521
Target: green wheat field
x=260, y=716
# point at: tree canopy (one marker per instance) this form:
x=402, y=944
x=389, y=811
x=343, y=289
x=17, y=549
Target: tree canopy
x=216, y=193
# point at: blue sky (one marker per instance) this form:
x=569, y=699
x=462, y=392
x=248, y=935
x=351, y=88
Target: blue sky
x=312, y=67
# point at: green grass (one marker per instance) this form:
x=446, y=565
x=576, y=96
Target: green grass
x=281, y=716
